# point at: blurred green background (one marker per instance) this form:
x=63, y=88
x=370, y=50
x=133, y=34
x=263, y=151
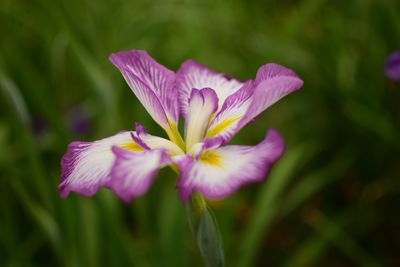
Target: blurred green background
x=332, y=200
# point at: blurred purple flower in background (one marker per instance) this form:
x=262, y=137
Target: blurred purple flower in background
x=79, y=121
x=392, y=67
x=39, y=125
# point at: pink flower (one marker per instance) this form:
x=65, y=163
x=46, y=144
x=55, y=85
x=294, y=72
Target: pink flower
x=214, y=109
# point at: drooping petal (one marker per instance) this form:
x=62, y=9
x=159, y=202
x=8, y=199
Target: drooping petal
x=202, y=104
x=220, y=172
x=151, y=82
x=272, y=83
x=133, y=173
x=193, y=75
x=86, y=166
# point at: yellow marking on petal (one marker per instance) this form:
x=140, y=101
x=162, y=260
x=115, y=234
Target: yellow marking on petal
x=221, y=126
x=132, y=146
x=174, y=168
x=174, y=135
x=212, y=117
x=211, y=157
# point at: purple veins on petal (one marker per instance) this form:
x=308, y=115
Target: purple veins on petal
x=133, y=173
x=151, y=82
x=193, y=75
x=214, y=108
x=86, y=166
x=220, y=172
x=272, y=83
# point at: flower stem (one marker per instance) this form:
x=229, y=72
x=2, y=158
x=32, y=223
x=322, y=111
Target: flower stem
x=198, y=202
x=206, y=231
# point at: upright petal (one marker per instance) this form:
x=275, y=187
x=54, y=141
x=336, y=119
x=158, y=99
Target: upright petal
x=234, y=109
x=193, y=75
x=202, y=104
x=86, y=165
x=151, y=82
x=272, y=83
x=133, y=173
x=220, y=172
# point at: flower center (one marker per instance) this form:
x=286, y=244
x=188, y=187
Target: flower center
x=211, y=158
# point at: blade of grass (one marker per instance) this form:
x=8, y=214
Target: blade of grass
x=101, y=85
x=90, y=232
x=122, y=248
x=172, y=226
x=15, y=100
x=315, y=181
x=41, y=216
x=266, y=208
x=344, y=242
x=331, y=232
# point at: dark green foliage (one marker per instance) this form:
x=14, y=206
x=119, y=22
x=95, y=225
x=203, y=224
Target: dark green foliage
x=332, y=200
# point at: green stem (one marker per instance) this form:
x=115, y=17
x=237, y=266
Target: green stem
x=206, y=231
x=198, y=202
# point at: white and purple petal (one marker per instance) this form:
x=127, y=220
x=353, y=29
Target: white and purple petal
x=193, y=75
x=202, y=104
x=272, y=83
x=86, y=165
x=234, y=109
x=220, y=172
x=133, y=173
x=151, y=82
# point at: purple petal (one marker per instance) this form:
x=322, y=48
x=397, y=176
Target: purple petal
x=268, y=93
x=392, y=68
x=133, y=173
x=151, y=82
x=140, y=131
x=225, y=169
x=86, y=165
x=271, y=70
x=193, y=75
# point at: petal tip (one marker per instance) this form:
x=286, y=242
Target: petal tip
x=275, y=139
x=119, y=58
x=64, y=192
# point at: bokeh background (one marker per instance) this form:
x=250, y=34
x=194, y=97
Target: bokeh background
x=332, y=200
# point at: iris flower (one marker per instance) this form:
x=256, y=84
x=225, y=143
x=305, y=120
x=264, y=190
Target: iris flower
x=214, y=108
x=392, y=67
